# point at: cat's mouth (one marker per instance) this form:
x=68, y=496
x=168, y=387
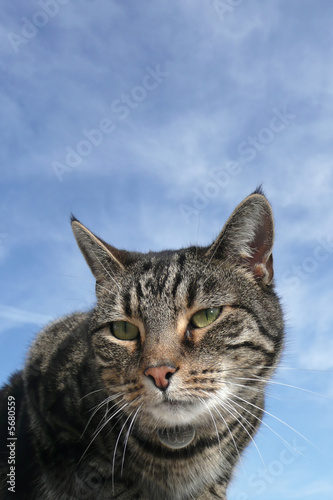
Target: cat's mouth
x=178, y=404
x=173, y=412
x=174, y=403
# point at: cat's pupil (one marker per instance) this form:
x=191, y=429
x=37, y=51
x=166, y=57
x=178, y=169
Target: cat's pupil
x=205, y=317
x=123, y=330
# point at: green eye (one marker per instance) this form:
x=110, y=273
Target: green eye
x=205, y=317
x=124, y=331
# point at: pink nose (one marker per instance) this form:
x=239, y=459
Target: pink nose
x=160, y=375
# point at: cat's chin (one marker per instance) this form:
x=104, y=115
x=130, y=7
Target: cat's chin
x=175, y=413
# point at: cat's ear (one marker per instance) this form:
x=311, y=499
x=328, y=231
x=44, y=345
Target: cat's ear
x=102, y=258
x=248, y=236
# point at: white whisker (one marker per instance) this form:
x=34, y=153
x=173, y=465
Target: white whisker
x=104, y=421
x=90, y=393
x=231, y=435
x=273, y=416
x=214, y=423
x=96, y=408
x=274, y=382
x=107, y=272
x=228, y=405
x=115, y=449
x=127, y=436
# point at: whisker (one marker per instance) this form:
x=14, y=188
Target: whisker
x=262, y=422
x=115, y=449
x=96, y=408
x=224, y=261
x=108, y=273
x=281, y=367
x=304, y=369
x=108, y=419
x=227, y=426
x=101, y=426
x=127, y=436
x=90, y=393
x=257, y=390
x=227, y=406
x=273, y=416
x=213, y=420
x=274, y=382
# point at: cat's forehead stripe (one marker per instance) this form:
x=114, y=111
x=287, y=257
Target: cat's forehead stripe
x=165, y=278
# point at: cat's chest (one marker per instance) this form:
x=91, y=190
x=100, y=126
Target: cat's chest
x=173, y=466
x=145, y=469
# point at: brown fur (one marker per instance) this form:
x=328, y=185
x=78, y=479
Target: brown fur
x=91, y=411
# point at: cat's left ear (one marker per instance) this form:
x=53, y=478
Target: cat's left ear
x=247, y=238
x=103, y=259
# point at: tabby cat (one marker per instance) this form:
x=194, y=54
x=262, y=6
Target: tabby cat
x=153, y=394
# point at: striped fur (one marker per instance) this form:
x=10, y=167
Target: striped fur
x=88, y=412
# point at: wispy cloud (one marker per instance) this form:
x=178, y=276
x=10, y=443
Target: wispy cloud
x=20, y=316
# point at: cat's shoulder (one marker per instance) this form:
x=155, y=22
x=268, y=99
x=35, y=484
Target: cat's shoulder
x=14, y=389
x=63, y=327
x=48, y=338
x=67, y=324
x=65, y=333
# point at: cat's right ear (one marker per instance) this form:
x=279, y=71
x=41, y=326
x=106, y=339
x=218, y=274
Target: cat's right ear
x=101, y=257
x=247, y=237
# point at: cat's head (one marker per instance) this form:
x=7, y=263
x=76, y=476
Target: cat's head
x=179, y=334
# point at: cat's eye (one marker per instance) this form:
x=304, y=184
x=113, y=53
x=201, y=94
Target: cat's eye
x=205, y=317
x=123, y=330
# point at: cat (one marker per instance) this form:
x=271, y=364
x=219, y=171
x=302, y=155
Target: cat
x=155, y=393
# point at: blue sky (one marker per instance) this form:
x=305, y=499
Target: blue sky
x=151, y=121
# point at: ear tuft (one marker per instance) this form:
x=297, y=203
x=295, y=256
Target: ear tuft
x=74, y=219
x=259, y=190
x=248, y=236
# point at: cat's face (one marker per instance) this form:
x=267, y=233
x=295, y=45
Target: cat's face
x=172, y=336
x=180, y=336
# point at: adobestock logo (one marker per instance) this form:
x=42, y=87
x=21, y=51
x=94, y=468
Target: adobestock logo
x=30, y=28
x=267, y=475
x=266, y=135
x=223, y=7
x=323, y=251
x=121, y=108
x=220, y=178
x=85, y=488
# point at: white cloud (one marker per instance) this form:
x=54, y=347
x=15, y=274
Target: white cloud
x=20, y=316
x=315, y=489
